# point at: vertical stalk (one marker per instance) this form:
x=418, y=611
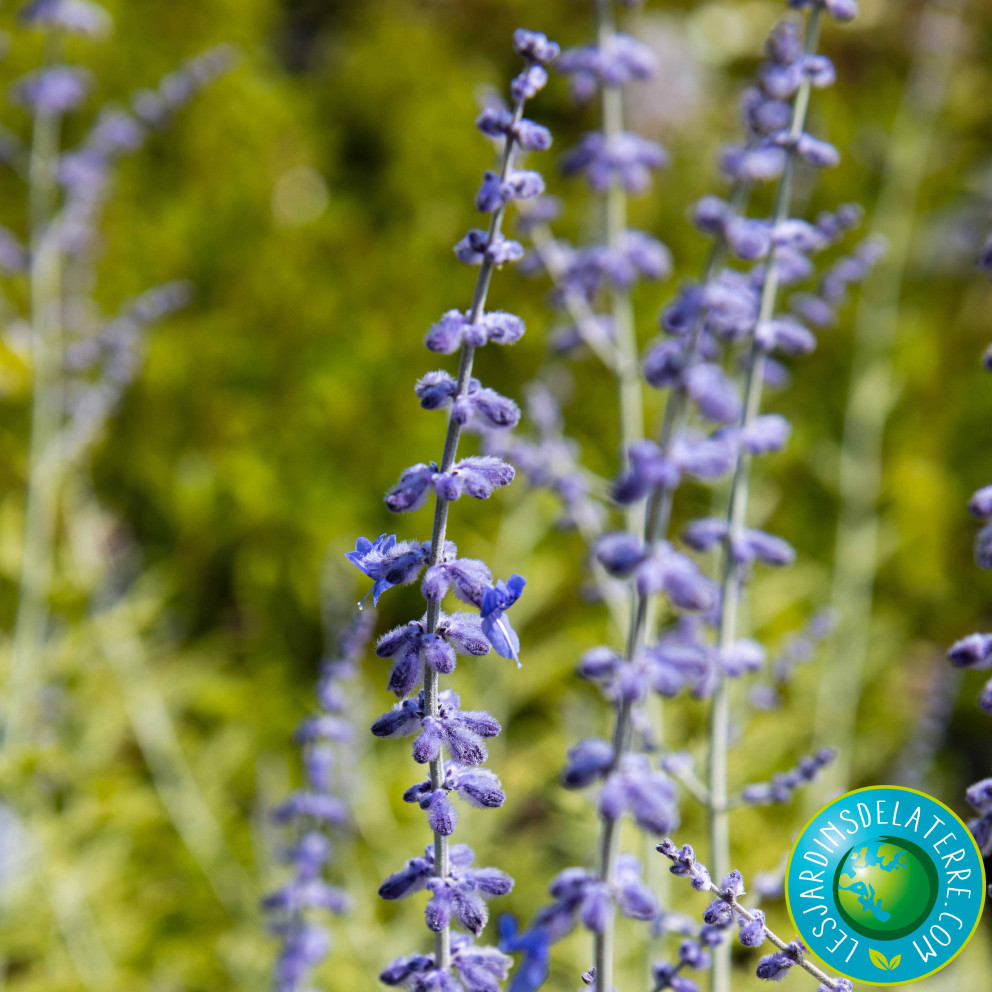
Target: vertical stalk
x=626, y=366
x=631, y=429
x=442, y=941
x=870, y=390
x=732, y=575
x=44, y=458
x=652, y=520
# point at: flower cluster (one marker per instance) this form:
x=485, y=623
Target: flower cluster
x=720, y=916
x=448, y=739
x=592, y=284
x=975, y=651
x=798, y=650
x=712, y=425
x=310, y=814
x=784, y=784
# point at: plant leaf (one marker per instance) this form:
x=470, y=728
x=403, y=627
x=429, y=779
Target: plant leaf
x=878, y=959
x=894, y=962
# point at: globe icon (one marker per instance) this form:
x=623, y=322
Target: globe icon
x=885, y=887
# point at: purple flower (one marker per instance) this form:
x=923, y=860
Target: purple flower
x=454, y=329
x=751, y=933
x=973, y=651
x=532, y=971
x=714, y=392
x=786, y=335
x=477, y=246
x=309, y=812
x=75, y=16
x=840, y=10
x=461, y=894
x=477, y=476
x=460, y=732
x=751, y=545
x=784, y=784
x=529, y=82
x=774, y=967
x=626, y=158
x=476, y=786
x=496, y=600
x=54, y=90
x=439, y=390
x=620, y=59
x=413, y=648
x=535, y=46
x=669, y=571
x=644, y=793
x=467, y=576
x=387, y=562
x=588, y=761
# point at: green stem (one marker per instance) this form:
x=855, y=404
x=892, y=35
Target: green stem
x=870, y=391
x=44, y=458
x=442, y=941
x=631, y=429
x=736, y=517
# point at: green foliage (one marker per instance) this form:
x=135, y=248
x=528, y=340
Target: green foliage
x=272, y=413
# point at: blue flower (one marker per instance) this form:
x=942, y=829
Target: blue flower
x=495, y=601
x=386, y=562
x=532, y=972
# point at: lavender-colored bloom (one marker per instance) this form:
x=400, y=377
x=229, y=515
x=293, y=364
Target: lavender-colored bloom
x=784, y=784
x=840, y=10
x=412, y=648
x=666, y=570
x=479, y=404
x=461, y=894
x=74, y=16
x=477, y=246
x=644, y=793
x=626, y=158
x=387, y=562
x=496, y=600
x=460, y=732
x=13, y=255
x=755, y=545
x=618, y=60
x=985, y=256
x=973, y=651
x=53, y=90
x=310, y=812
x=535, y=46
x=751, y=933
x=588, y=761
x=785, y=335
x=477, y=476
x=454, y=329
x=774, y=967
x=715, y=393
x=468, y=577
x=532, y=971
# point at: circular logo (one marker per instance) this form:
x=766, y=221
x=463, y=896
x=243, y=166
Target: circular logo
x=885, y=885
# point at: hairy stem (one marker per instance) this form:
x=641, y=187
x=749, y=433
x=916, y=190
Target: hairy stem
x=626, y=365
x=736, y=516
x=629, y=401
x=741, y=911
x=442, y=943
x=656, y=520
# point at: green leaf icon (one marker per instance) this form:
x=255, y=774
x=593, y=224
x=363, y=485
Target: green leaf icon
x=894, y=962
x=878, y=959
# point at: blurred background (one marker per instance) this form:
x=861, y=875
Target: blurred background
x=311, y=196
